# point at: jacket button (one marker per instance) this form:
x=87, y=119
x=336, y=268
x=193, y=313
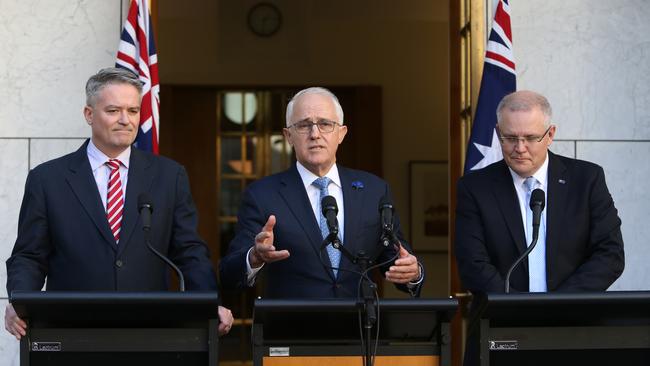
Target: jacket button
x=338, y=285
x=119, y=263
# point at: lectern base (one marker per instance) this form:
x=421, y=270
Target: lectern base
x=592, y=357
x=350, y=361
x=118, y=358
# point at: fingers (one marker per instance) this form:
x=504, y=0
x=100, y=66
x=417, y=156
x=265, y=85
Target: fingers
x=405, y=269
x=265, y=237
x=270, y=223
x=403, y=252
x=268, y=254
x=405, y=258
x=225, y=320
x=399, y=274
x=13, y=324
x=264, y=250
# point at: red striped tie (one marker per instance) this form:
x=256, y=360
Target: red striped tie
x=114, y=199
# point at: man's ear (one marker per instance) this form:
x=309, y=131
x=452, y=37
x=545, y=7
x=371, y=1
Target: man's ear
x=551, y=135
x=88, y=114
x=287, y=135
x=343, y=130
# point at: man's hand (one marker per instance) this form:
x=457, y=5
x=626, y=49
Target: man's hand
x=13, y=324
x=225, y=320
x=264, y=251
x=405, y=269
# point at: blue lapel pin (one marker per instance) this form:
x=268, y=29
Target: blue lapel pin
x=357, y=184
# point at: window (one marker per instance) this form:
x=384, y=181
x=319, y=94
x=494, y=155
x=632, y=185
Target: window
x=250, y=145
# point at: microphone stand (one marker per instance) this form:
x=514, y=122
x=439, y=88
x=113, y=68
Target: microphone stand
x=521, y=258
x=179, y=273
x=537, y=206
x=368, y=288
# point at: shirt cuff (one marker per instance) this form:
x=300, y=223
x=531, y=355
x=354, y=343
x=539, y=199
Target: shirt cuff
x=414, y=284
x=251, y=272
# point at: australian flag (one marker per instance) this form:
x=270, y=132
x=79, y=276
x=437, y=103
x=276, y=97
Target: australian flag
x=137, y=52
x=499, y=80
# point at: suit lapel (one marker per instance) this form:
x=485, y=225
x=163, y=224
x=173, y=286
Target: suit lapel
x=295, y=197
x=352, y=204
x=506, y=197
x=558, y=188
x=140, y=180
x=81, y=180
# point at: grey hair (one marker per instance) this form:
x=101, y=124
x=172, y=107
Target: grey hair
x=525, y=100
x=108, y=76
x=315, y=90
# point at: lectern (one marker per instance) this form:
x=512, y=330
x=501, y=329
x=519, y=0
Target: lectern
x=607, y=328
x=118, y=328
x=328, y=332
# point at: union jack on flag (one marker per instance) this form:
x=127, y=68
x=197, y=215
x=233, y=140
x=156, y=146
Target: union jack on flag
x=137, y=52
x=498, y=80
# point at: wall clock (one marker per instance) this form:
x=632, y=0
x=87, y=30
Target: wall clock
x=264, y=19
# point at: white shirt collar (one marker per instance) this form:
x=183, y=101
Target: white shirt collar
x=98, y=158
x=308, y=177
x=541, y=175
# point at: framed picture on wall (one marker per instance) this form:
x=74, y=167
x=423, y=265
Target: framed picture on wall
x=429, y=205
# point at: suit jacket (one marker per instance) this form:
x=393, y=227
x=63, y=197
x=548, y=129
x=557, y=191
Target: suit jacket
x=303, y=274
x=63, y=233
x=584, y=245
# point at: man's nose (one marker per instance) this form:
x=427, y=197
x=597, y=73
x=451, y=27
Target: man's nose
x=314, y=132
x=124, y=117
x=520, y=145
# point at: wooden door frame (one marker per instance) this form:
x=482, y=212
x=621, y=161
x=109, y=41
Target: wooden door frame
x=467, y=20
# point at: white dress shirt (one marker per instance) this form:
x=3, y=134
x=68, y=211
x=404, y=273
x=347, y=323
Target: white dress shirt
x=101, y=171
x=540, y=249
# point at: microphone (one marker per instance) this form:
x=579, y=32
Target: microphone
x=330, y=209
x=145, y=208
x=536, y=204
x=386, y=214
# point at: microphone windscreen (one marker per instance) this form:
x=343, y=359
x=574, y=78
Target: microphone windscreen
x=537, y=199
x=329, y=203
x=144, y=201
x=384, y=202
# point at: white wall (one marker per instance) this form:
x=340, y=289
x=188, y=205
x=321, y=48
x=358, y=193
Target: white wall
x=591, y=59
x=49, y=49
x=588, y=56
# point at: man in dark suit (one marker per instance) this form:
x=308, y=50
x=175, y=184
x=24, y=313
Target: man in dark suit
x=281, y=226
x=80, y=225
x=580, y=246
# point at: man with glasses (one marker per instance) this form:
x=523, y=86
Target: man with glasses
x=580, y=246
x=282, y=227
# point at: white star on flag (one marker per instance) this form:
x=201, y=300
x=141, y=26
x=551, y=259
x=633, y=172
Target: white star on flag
x=490, y=153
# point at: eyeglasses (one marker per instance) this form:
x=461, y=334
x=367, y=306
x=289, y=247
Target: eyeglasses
x=304, y=127
x=527, y=140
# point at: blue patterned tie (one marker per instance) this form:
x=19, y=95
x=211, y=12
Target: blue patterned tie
x=537, y=258
x=335, y=255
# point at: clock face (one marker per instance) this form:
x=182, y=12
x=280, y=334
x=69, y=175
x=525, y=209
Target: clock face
x=264, y=19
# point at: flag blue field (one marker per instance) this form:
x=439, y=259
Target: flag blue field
x=498, y=80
